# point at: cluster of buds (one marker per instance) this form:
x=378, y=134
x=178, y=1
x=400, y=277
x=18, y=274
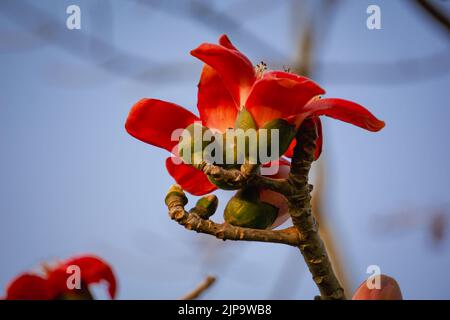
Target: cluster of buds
x=243, y=144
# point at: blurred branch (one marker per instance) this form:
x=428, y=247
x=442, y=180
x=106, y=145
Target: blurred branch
x=141, y=69
x=328, y=234
x=205, y=285
x=434, y=13
x=120, y=62
x=202, y=12
x=433, y=220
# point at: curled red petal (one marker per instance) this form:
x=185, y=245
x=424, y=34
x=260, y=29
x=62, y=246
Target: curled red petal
x=275, y=97
x=189, y=178
x=92, y=270
x=226, y=42
x=389, y=290
x=292, y=76
x=29, y=287
x=215, y=104
x=235, y=69
x=154, y=121
x=344, y=110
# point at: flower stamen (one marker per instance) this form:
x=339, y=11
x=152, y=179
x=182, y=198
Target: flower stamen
x=260, y=68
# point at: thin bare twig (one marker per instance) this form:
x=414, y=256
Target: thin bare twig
x=202, y=287
x=192, y=221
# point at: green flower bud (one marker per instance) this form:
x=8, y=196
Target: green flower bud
x=286, y=133
x=176, y=190
x=245, y=210
x=192, y=144
x=206, y=206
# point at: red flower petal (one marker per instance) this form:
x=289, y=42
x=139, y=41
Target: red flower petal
x=275, y=96
x=189, y=178
x=234, y=68
x=29, y=287
x=292, y=76
x=215, y=104
x=153, y=121
x=226, y=42
x=92, y=270
x=290, y=151
x=344, y=110
x=389, y=290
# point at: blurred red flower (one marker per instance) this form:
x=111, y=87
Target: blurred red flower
x=53, y=285
x=389, y=290
x=229, y=82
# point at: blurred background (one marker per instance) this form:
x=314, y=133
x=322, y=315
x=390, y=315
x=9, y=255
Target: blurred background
x=73, y=181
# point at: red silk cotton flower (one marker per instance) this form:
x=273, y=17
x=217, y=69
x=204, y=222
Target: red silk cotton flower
x=228, y=83
x=53, y=285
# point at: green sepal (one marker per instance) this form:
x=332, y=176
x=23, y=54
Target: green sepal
x=244, y=120
x=192, y=145
x=286, y=131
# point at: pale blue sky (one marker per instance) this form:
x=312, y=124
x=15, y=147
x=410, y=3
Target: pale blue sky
x=73, y=181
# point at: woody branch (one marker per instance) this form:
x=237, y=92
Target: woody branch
x=304, y=234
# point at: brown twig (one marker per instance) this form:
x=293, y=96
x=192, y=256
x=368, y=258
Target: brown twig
x=202, y=287
x=192, y=221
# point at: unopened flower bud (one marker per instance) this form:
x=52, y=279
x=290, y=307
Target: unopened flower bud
x=206, y=206
x=177, y=191
x=192, y=143
x=246, y=210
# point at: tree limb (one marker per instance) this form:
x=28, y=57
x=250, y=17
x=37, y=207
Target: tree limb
x=296, y=189
x=311, y=246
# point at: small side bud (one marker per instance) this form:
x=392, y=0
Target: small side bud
x=206, y=206
x=176, y=192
